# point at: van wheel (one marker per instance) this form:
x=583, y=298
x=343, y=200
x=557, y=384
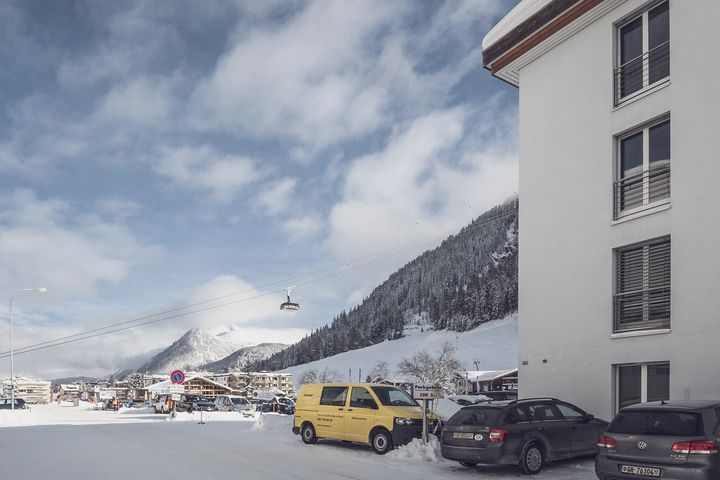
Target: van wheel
x=382, y=442
x=307, y=432
x=468, y=464
x=531, y=459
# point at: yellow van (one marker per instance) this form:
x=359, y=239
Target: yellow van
x=381, y=415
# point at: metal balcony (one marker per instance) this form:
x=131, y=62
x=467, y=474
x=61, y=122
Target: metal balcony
x=635, y=192
x=633, y=77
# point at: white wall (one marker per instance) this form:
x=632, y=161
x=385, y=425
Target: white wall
x=567, y=123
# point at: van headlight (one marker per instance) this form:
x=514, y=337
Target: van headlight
x=403, y=421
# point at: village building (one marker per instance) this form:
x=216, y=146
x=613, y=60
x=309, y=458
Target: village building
x=618, y=225
x=32, y=391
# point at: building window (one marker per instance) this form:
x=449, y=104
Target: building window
x=643, y=168
x=642, y=287
x=643, y=57
x=642, y=382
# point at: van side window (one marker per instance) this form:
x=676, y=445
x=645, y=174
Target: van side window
x=517, y=415
x=334, y=396
x=361, y=398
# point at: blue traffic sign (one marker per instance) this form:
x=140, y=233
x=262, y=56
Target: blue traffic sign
x=177, y=376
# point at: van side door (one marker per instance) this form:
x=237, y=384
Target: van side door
x=331, y=412
x=360, y=418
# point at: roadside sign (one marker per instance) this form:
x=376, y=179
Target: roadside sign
x=177, y=376
x=176, y=389
x=263, y=395
x=425, y=392
x=175, y=397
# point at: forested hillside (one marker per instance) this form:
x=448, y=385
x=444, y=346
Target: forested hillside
x=469, y=279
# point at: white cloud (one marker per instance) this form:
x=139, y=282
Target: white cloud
x=144, y=101
x=276, y=197
x=303, y=227
x=206, y=170
x=426, y=183
x=45, y=242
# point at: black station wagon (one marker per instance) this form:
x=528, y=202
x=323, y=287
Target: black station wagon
x=525, y=432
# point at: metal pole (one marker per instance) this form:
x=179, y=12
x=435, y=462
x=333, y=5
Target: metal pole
x=12, y=361
x=425, y=422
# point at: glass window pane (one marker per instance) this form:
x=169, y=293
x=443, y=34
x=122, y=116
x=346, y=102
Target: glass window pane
x=629, y=390
x=361, y=398
x=659, y=25
x=333, y=396
x=630, y=74
x=569, y=412
x=631, y=155
x=631, y=40
x=658, y=379
x=660, y=144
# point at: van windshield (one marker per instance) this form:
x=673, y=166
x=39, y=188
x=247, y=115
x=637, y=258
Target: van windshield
x=393, y=396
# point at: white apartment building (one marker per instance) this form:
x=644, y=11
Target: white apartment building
x=619, y=224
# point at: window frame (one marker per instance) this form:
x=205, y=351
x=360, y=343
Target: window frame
x=646, y=281
x=335, y=404
x=644, y=13
x=643, y=381
x=647, y=202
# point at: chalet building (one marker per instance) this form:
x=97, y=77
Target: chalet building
x=618, y=270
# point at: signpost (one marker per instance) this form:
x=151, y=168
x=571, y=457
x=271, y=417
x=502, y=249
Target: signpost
x=177, y=376
x=426, y=393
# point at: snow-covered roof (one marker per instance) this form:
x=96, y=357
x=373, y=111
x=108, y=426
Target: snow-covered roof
x=160, y=386
x=488, y=375
x=522, y=11
x=70, y=387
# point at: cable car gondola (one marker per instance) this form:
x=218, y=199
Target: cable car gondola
x=289, y=306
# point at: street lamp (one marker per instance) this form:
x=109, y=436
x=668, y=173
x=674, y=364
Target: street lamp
x=12, y=346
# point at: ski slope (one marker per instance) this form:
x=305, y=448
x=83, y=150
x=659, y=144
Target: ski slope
x=493, y=345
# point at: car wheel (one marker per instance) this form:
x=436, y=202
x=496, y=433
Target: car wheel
x=307, y=432
x=469, y=464
x=189, y=410
x=532, y=459
x=381, y=442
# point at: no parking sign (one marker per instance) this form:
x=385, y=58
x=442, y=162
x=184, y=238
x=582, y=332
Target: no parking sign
x=177, y=376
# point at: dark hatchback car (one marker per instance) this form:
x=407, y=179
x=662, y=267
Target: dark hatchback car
x=6, y=403
x=671, y=440
x=526, y=433
x=195, y=403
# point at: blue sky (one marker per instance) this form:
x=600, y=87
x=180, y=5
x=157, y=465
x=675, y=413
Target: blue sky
x=153, y=154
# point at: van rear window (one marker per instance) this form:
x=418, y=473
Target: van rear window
x=657, y=422
x=474, y=416
x=334, y=396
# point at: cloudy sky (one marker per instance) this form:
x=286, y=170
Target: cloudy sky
x=159, y=154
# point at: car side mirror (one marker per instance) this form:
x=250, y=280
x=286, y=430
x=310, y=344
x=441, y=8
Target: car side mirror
x=588, y=417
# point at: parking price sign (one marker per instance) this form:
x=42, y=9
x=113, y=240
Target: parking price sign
x=177, y=376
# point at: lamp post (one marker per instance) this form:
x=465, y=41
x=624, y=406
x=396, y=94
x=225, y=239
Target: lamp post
x=12, y=345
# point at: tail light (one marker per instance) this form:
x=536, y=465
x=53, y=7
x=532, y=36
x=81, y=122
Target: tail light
x=702, y=447
x=607, y=442
x=497, y=435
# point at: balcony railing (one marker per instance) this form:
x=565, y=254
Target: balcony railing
x=632, y=77
x=642, y=310
x=642, y=190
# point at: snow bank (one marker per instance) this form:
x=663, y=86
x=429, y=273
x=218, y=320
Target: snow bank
x=143, y=410
x=273, y=421
x=417, y=450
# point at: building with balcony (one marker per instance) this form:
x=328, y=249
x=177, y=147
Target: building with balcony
x=618, y=275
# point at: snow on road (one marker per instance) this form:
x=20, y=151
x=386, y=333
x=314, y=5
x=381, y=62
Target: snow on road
x=64, y=442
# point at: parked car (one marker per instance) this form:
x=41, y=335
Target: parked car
x=194, y=403
x=283, y=405
x=674, y=439
x=233, y=403
x=526, y=433
x=381, y=415
x=6, y=403
x=162, y=404
x=136, y=403
x=263, y=406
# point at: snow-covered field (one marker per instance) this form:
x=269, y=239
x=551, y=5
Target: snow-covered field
x=63, y=442
x=493, y=345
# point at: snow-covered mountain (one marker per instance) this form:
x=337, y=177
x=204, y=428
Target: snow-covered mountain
x=238, y=360
x=195, y=348
x=491, y=346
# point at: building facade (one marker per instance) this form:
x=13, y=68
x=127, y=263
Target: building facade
x=618, y=275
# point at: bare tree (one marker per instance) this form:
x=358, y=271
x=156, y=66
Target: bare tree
x=327, y=375
x=379, y=372
x=439, y=371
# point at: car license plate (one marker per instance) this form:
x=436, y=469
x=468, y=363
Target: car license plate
x=644, y=471
x=465, y=436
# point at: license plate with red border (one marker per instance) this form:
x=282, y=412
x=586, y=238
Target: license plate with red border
x=644, y=471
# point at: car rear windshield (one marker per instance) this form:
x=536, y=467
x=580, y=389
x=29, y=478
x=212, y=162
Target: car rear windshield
x=657, y=422
x=474, y=416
